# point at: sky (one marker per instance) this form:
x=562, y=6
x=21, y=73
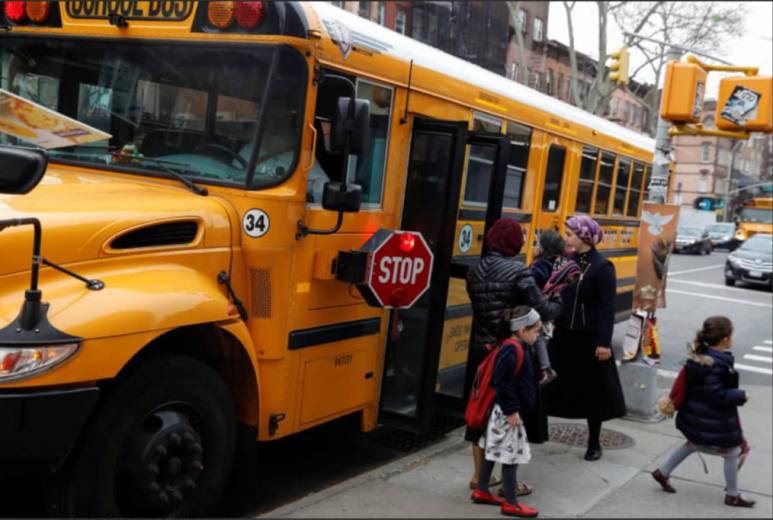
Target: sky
x=755, y=48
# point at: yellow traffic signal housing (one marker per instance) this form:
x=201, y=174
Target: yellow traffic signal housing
x=619, y=66
x=683, y=93
x=745, y=104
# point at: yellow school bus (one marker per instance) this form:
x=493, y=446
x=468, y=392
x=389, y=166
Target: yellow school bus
x=210, y=307
x=756, y=216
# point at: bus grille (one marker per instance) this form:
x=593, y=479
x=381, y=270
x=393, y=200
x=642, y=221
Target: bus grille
x=260, y=288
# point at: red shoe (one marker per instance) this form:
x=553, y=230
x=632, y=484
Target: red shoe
x=521, y=510
x=479, y=497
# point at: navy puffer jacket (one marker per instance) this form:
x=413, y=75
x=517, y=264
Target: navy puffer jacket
x=709, y=415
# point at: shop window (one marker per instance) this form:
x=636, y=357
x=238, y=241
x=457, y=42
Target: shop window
x=368, y=169
x=520, y=141
x=636, y=186
x=554, y=176
x=621, y=186
x=590, y=160
x=479, y=163
x=604, y=187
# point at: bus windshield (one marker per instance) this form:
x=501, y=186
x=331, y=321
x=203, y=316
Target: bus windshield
x=757, y=215
x=194, y=109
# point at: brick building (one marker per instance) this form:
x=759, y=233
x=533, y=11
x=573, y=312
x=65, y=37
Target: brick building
x=532, y=21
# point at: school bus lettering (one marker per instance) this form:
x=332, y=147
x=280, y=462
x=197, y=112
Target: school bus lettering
x=169, y=11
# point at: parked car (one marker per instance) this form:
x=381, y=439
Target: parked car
x=692, y=240
x=721, y=235
x=752, y=262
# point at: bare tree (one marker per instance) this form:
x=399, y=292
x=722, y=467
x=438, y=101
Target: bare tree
x=705, y=26
x=573, y=78
x=514, y=8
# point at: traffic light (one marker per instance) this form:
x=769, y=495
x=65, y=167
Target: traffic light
x=683, y=92
x=745, y=103
x=619, y=66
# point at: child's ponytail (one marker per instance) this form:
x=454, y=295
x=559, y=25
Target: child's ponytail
x=715, y=329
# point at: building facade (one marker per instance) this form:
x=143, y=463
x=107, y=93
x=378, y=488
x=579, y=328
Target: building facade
x=532, y=22
x=703, y=162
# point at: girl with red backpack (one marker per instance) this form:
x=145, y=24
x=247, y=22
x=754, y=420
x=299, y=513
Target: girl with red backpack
x=505, y=438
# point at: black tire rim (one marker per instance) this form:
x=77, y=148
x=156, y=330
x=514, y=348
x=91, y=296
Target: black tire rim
x=162, y=462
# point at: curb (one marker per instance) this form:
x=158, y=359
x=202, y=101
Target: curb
x=453, y=441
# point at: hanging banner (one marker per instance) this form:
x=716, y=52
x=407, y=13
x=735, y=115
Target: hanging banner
x=656, y=243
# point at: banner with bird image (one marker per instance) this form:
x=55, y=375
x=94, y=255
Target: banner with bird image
x=656, y=244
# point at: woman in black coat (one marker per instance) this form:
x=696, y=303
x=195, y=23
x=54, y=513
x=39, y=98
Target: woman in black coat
x=588, y=386
x=496, y=283
x=709, y=415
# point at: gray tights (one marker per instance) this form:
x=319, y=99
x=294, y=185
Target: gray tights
x=731, y=464
x=509, y=477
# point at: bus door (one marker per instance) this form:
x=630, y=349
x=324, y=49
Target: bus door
x=556, y=168
x=414, y=338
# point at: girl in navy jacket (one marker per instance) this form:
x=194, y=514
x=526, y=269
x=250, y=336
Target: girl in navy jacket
x=505, y=438
x=709, y=415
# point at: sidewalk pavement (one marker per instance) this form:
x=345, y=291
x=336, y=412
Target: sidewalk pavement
x=433, y=483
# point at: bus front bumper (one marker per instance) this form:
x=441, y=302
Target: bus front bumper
x=39, y=429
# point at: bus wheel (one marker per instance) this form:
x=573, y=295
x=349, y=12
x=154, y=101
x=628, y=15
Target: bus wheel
x=162, y=445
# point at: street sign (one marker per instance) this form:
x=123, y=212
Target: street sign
x=744, y=103
x=704, y=203
x=398, y=269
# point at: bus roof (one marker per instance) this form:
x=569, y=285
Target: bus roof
x=372, y=36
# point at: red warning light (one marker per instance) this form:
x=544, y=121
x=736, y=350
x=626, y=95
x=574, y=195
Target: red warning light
x=407, y=241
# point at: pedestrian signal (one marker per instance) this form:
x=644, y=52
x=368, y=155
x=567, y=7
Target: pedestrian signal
x=683, y=93
x=619, y=66
x=744, y=104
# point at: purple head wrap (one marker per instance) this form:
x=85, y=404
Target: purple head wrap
x=587, y=229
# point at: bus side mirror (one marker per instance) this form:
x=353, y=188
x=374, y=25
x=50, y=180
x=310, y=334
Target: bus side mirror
x=21, y=169
x=345, y=198
x=350, y=123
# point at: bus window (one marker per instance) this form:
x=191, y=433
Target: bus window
x=604, y=189
x=368, y=169
x=520, y=139
x=554, y=175
x=479, y=163
x=590, y=160
x=647, y=181
x=621, y=189
x=635, y=197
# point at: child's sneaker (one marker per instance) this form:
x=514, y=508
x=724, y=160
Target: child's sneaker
x=546, y=375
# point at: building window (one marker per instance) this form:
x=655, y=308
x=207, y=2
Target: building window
x=400, y=18
x=364, y=10
x=479, y=163
x=537, y=30
x=522, y=19
x=538, y=82
x=703, y=183
x=706, y=155
x=569, y=89
x=616, y=112
x=549, y=83
x=382, y=13
x=367, y=170
x=626, y=111
x=514, y=72
x=590, y=159
x=340, y=5
x=560, y=85
x=634, y=112
x=520, y=139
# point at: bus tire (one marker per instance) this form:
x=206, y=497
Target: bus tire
x=162, y=445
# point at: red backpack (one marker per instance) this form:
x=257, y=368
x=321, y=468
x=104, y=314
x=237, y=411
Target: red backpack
x=482, y=393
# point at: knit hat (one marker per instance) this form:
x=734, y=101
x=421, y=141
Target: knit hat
x=505, y=237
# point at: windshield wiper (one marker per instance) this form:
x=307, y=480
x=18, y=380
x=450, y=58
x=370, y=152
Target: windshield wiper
x=177, y=175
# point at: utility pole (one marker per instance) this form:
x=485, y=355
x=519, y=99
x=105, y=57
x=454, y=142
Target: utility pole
x=728, y=187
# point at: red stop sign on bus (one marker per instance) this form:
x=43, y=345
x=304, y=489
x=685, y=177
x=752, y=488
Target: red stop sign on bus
x=398, y=269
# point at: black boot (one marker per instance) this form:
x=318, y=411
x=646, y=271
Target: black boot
x=593, y=453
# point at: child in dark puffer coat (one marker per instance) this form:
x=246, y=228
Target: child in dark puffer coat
x=708, y=417
x=552, y=272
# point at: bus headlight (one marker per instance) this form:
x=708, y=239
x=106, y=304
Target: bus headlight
x=22, y=362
